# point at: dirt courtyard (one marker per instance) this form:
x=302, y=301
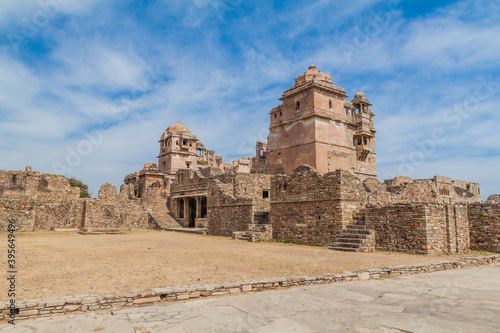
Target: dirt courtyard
x=51, y=264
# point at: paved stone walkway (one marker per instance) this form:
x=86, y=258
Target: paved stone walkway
x=466, y=300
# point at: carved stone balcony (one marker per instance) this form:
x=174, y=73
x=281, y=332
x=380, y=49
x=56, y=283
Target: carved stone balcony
x=362, y=151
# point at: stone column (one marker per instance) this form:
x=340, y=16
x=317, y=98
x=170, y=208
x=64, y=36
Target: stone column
x=186, y=209
x=198, y=207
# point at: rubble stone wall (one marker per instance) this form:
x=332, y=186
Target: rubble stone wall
x=113, y=211
x=484, y=222
x=40, y=201
x=419, y=228
x=306, y=206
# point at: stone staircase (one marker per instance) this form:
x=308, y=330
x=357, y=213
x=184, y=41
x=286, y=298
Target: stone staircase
x=160, y=216
x=101, y=231
x=255, y=232
x=356, y=237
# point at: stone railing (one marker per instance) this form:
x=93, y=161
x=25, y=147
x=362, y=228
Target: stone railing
x=54, y=306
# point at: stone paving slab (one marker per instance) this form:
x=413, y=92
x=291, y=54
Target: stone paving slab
x=465, y=300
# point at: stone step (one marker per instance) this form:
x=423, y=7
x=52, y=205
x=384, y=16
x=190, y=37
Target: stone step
x=100, y=231
x=348, y=245
x=351, y=240
x=346, y=232
x=356, y=226
x=354, y=235
x=346, y=249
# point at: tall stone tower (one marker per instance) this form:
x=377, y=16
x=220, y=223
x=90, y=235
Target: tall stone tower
x=315, y=125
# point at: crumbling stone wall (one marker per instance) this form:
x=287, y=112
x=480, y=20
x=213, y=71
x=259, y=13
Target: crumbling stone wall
x=237, y=200
x=111, y=210
x=484, y=222
x=40, y=201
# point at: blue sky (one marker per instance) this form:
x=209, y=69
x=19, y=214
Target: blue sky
x=87, y=87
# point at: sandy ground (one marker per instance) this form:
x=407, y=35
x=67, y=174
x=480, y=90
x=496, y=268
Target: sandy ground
x=52, y=264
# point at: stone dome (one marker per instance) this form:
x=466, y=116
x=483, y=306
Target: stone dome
x=359, y=94
x=313, y=75
x=360, y=97
x=175, y=128
x=179, y=128
x=150, y=166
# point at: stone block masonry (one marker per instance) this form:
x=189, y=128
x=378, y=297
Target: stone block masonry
x=31, y=309
x=236, y=201
x=419, y=228
x=40, y=201
x=484, y=221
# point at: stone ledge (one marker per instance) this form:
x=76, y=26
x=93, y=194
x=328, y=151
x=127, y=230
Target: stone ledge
x=85, y=303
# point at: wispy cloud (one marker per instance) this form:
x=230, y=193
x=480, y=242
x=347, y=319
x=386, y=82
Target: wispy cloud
x=126, y=71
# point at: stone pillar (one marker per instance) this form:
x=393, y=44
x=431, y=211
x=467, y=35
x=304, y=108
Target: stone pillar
x=198, y=207
x=186, y=208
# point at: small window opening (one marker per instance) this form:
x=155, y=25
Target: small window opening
x=297, y=106
x=330, y=104
x=284, y=187
x=281, y=113
x=366, y=141
x=275, y=115
x=346, y=112
x=265, y=194
x=184, y=142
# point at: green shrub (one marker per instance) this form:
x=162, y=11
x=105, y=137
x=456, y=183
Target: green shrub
x=288, y=241
x=84, y=189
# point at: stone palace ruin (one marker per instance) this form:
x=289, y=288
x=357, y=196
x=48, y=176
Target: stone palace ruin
x=313, y=182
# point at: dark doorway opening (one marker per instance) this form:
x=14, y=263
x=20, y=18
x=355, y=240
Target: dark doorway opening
x=204, y=207
x=192, y=212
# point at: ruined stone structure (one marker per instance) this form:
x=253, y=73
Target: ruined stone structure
x=313, y=182
x=40, y=201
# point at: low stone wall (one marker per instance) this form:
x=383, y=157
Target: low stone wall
x=39, y=214
x=55, y=306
